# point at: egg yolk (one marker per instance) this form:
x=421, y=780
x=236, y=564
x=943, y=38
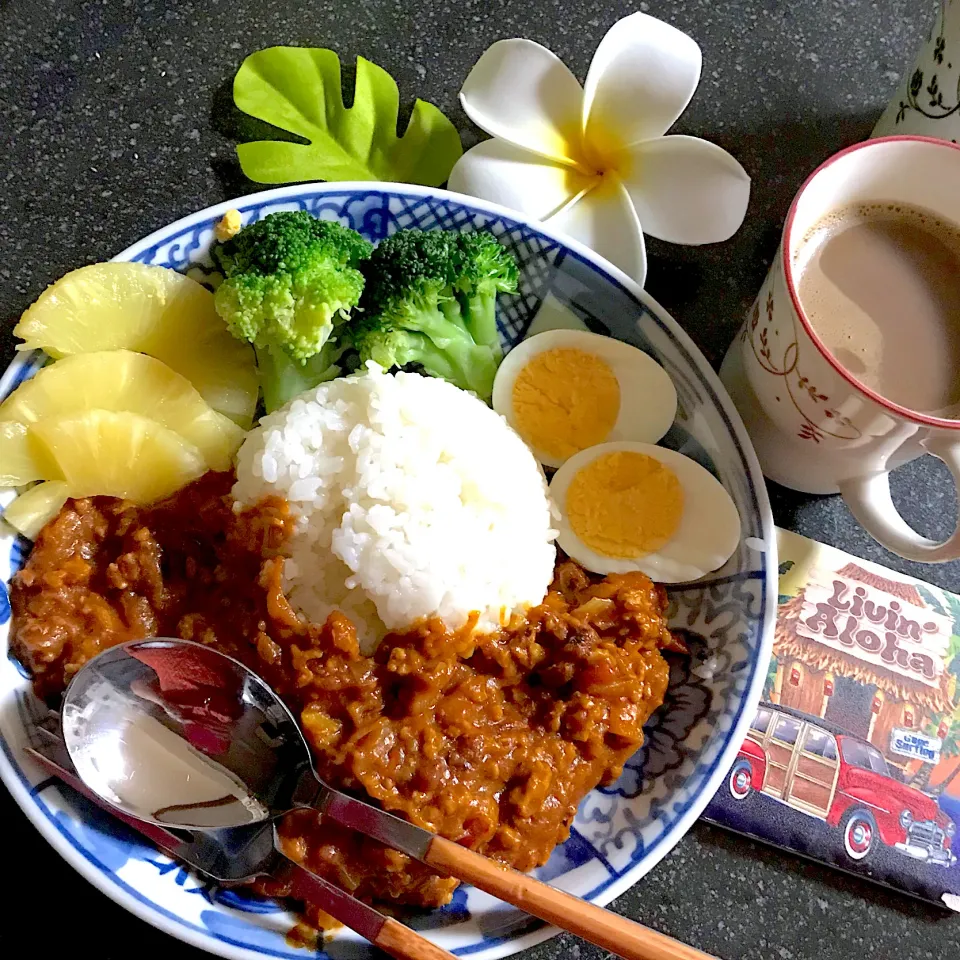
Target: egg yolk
x=565, y=400
x=624, y=504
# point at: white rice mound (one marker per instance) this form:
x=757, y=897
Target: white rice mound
x=412, y=499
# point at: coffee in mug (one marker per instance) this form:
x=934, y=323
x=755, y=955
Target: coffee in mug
x=880, y=284
x=848, y=364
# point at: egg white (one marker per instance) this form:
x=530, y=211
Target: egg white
x=705, y=539
x=648, y=398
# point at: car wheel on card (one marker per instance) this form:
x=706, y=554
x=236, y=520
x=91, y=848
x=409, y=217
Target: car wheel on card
x=740, y=780
x=859, y=834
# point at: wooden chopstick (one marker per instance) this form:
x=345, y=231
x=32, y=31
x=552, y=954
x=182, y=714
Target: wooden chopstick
x=606, y=929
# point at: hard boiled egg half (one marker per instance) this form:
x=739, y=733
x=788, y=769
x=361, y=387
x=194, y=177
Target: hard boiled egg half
x=566, y=390
x=634, y=506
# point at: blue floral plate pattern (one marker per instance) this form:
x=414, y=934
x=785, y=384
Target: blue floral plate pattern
x=621, y=831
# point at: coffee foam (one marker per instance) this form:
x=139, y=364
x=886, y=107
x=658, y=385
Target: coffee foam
x=849, y=216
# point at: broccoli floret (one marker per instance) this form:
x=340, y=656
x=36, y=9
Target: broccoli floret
x=485, y=270
x=290, y=280
x=430, y=299
x=410, y=273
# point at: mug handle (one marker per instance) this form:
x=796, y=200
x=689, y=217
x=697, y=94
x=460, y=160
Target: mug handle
x=870, y=502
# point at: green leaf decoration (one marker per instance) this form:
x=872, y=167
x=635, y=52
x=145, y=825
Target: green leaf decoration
x=298, y=89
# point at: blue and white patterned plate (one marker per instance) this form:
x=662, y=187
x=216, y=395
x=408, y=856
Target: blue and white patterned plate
x=621, y=831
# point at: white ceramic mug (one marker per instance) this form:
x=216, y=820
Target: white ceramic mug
x=815, y=427
x=927, y=102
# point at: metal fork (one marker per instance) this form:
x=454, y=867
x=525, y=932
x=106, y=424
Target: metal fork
x=225, y=856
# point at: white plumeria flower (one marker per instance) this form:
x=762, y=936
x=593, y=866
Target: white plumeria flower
x=594, y=161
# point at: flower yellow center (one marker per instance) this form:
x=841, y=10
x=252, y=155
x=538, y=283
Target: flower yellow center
x=602, y=152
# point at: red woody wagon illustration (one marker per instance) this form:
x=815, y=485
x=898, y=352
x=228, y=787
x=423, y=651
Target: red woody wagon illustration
x=827, y=772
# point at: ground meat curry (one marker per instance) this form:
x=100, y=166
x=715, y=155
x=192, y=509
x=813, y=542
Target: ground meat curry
x=491, y=741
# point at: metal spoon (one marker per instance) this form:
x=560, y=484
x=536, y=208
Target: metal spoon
x=213, y=853
x=180, y=735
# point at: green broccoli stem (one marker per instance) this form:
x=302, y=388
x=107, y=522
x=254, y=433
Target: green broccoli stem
x=450, y=308
x=480, y=317
x=282, y=378
x=467, y=370
x=476, y=364
x=479, y=364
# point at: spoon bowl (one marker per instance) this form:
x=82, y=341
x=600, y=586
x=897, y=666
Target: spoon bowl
x=178, y=734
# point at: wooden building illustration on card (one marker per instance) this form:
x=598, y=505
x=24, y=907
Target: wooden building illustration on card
x=868, y=653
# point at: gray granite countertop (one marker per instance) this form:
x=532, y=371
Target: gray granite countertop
x=114, y=121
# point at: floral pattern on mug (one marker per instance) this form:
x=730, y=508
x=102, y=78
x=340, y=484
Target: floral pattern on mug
x=779, y=356
x=928, y=101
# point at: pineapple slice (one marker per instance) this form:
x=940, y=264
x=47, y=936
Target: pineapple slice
x=101, y=452
x=33, y=510
x=23, y=458
x=223, y=372
x=120, y=380
x=152, y=310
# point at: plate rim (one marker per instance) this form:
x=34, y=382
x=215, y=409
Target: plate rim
x=494, y=949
